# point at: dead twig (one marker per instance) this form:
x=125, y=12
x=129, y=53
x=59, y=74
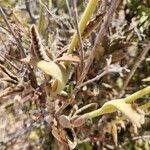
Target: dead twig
x=69, y=9
x=135, y=66
x=99, y=39
x=9, y=62
x=141, y=137
x=84, y=108
x=78, y=32
x=11, y=90
x=92, y=80
x=27, y=4
x=6, y=71
x=109, y=68
x=9, y=81
x=13, y=33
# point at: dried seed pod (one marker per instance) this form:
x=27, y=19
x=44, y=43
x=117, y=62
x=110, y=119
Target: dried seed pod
x=38, y=48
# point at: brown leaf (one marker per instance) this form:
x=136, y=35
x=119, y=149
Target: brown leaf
x=79, y=121
x=59, y=134
x=64, y=121
x=117, y=56
x=71, y=58
x=99, y=52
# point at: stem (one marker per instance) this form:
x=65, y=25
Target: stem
x=96, y=113
x=41, y=22
x=82, y=24
x=78, y=33
x=100, y=37
x=134, y=68
x=138, y=94
x=129, y=99
x=92, y=80
x=13, y=33
x=145, y=106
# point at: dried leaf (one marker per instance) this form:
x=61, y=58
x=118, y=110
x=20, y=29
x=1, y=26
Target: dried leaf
x=79, y=121
x=59, y=134
x=64, y=121
x=72, y=144
x=71, y=58
x=92, y=24
x=118, y=56
x=99, y=52
x=115, y=134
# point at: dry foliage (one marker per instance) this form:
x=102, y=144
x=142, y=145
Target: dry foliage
x=63, y=63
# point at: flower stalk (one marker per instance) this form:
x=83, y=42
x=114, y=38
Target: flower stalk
x=82, y=24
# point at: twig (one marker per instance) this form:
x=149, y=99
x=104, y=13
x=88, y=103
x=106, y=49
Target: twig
x=135, y=66
x=82, y=24
x=6, y=71
x=78, y=32
x=10, y=90
x=44, y=5
x=99, y=38
x=13, y=33
x=60, y=110
x=69, y=10
x=109, y=68
x=27, y=4
x=92, y=80
x=1, y=39
x=9, y=56
x=8, y=80
x=51, y=15
x=84, y=108
x=9, y=62
x=4, y=28
x=141, y=137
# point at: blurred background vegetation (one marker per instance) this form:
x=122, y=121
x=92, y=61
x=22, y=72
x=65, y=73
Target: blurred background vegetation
x=25, y=122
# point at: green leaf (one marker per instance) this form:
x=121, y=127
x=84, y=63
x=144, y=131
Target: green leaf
x=42, y=23
x=126, y=106
x=56, y=71
x=127, y=109
x=82, y=24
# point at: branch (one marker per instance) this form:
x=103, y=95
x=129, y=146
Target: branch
x=13, y=33
x=135, y=66
x=82, y=24
x=99, y=38
x=78, y=32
